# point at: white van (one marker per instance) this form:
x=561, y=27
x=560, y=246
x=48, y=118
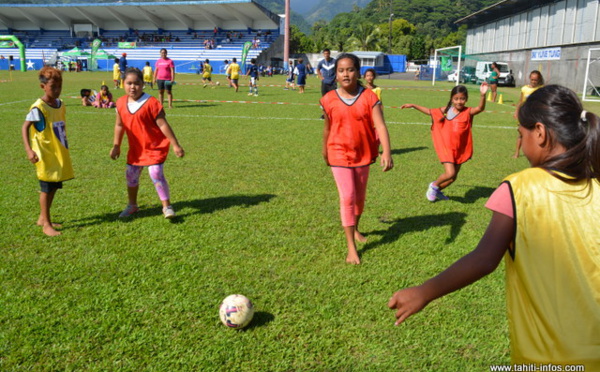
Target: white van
x=483, y=71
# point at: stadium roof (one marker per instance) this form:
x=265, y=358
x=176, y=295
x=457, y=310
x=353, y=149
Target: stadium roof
x=177, y=15
x=501, y=10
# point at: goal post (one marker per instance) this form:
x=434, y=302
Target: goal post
x=592, y=72
x=448, y=52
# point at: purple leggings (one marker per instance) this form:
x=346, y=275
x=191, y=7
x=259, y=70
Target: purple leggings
x=132, y=173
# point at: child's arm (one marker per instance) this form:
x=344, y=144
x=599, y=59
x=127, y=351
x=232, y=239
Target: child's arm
x=472, y=267
x=424, y=110
x=326, y=131
x=117, y=139
x=521, y=101
x=384, y=138
x=164, y=126
x=481, y=108
x=31, y=155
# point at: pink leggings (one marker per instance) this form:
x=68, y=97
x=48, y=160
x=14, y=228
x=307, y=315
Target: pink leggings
x=132, y=173
x=352, y=187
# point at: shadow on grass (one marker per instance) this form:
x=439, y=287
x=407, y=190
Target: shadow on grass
x=406, y=150
x=200, y=206
x=260, y=319
x=474, y=194
x=417, y=223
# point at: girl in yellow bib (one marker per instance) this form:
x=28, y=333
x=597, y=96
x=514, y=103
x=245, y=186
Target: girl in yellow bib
x=545, y=225
x=536, y=81
x=45, y=140
x=369, y=77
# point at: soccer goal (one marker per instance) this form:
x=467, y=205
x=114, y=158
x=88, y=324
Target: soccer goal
x=445, y=64
x=592, y=76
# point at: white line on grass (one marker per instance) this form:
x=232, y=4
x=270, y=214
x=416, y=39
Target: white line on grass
x=288, y=118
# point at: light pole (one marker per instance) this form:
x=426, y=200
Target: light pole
x=390, y=32
x=286, y=37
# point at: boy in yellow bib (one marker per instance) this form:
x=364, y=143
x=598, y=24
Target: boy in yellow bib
x=45, y=140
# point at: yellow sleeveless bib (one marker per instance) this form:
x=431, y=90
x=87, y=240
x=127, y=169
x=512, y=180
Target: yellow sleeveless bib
x=48, y=139
x=553, y=271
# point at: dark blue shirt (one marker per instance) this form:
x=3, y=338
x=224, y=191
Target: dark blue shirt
x=327, y=70
x=253, y=71
x=123, y=64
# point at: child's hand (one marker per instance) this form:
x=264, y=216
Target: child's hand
x=408, y=302
x=483, y=88
x=32, y=156
x=179, y=152
x=407, y=105
x=387, y=162
x=115, y=152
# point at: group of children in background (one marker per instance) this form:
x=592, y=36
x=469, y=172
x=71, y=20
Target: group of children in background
x=552, y=256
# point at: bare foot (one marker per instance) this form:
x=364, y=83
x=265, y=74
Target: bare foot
x=359, y=237
x=49, y=230
x=515, y=156
x=40, y=223
x=352, y=258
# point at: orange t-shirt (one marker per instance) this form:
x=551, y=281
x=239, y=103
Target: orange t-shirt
x=452, y=139
x=352, y=140
x=147, y=143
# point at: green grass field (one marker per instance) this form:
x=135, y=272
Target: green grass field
x=258, y=215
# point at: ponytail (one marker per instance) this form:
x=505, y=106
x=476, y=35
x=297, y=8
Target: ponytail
x=569, y=125
x=591, y=122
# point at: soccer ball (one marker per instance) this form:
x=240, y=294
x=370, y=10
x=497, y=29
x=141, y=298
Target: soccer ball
x=218, y=83
x=236, y=311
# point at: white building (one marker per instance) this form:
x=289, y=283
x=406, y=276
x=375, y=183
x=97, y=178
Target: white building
x=551, y=36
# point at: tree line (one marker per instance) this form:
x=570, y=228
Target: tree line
x=417, y=27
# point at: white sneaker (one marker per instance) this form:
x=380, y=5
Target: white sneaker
x=169, y=212
x=431, y=193
x=249, y=94
x=130, y=210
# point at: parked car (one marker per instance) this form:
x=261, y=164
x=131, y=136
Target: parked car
x=467, y=75
x=452, y=76
x=484, y=70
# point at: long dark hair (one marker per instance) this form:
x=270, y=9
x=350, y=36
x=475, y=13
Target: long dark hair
x=567, y=124
x=457, y=89
x=540, y=77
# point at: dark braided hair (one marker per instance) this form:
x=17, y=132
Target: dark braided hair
x=456, y=90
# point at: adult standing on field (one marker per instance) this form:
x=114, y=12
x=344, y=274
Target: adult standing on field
x=164, y=76
x=494, y=76
x=326, y=72
x=123, y=65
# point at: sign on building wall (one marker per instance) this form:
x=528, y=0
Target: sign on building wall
x=546, y=54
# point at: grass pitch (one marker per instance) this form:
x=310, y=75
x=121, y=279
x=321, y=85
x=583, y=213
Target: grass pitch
x=258, y=215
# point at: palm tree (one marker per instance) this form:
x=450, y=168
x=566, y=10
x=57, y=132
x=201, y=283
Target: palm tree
x=366, y=36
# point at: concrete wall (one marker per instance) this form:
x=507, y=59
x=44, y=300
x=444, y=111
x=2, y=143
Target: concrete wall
x=568, y=71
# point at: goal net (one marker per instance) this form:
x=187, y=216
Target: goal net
x=446, y=64
x=591, y=86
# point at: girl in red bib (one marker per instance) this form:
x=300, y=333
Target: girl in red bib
x=149, y=134
x=451, y=134
x=353, y=122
